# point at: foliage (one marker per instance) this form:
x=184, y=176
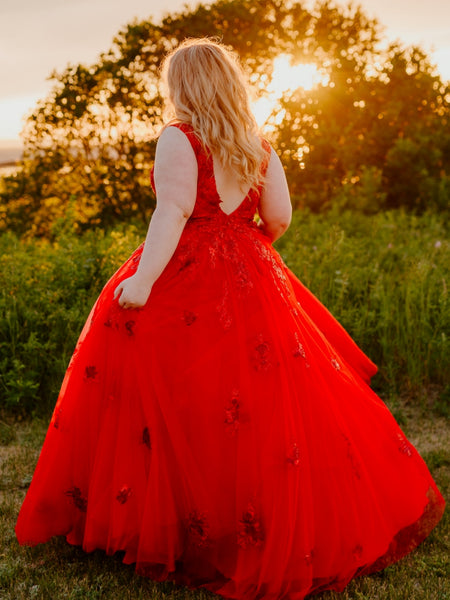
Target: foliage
x=380, y=123
x=47, y=290
x=389, y=118
x=385, y=277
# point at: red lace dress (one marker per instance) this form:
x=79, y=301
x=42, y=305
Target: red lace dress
x=225, y=436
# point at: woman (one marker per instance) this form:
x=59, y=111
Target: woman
x=215, y=422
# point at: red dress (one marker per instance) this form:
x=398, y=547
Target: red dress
x=225, y=435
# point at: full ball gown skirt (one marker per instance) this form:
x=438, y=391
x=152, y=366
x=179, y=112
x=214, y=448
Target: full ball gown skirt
x=225, y=435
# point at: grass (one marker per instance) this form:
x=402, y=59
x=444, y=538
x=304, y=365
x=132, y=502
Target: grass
x=56, y=570
x=385, y=277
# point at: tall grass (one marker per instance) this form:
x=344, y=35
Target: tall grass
x=384, y=277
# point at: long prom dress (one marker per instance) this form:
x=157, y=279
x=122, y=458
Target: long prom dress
x=224, y=435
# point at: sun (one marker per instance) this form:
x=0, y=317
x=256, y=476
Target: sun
x=286, y=77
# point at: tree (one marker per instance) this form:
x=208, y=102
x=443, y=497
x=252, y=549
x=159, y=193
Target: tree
x=89, y=144
x=387, y=116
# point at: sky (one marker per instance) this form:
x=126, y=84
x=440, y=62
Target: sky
x=37, y=37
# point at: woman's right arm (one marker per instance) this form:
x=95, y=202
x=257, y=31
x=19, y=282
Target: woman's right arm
x=275, y=209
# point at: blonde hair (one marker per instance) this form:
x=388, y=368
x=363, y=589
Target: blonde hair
x=206, y=88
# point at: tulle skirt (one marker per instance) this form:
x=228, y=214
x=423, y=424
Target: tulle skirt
x=225, y=436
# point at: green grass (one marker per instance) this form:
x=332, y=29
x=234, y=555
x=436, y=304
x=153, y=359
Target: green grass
x=56, y=570
x=385, y=278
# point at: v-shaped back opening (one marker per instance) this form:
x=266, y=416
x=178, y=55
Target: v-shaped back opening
x=220, y=197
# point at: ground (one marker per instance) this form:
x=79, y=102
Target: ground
x=56, y=570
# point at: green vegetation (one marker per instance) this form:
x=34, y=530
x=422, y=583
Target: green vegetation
x=372, y=135
x=367, y=156
x=384, y=277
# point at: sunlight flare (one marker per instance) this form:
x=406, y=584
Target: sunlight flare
x=286, y=77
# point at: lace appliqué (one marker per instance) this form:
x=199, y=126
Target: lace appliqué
x=123, y=494
x=146, y=439
x=186, y=262
x=293, y=457
x=115, y=319
x=189, y=317
x=308, y=558
x=79, y=501
x=403, y=445
x=232, y=413
x=262, y=356
x=250, y=532
x=90, y=372
x=198, y=529
x=129, y=325
x=272, y=258
x=223, y=309
x=224, y=245
x=357, y=552
x=298, y=351
x=336, y=364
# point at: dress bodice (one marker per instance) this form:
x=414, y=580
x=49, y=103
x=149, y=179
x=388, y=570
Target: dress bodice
x=207, y=204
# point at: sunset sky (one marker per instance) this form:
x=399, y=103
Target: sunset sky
x=37, y=37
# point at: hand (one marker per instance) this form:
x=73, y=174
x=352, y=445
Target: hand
x=132, y=292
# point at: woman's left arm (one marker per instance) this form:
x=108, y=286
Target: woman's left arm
x=175, y=174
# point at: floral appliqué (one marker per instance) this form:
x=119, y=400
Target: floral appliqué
x=232, y=413
x=335, y=364
x=276, y=265
x=198, y=528
x=250, y=532
x=223, y=309
x=262, y=354
x=129, y=327
x=123, y=494
x=298, y=350
x=357, y=551
x=189, y=317
x=186, y=261
x=78, y=499
x=308, y=558
x=293, y=457
x=146, y=439
x=403, y=445
x=90, y=372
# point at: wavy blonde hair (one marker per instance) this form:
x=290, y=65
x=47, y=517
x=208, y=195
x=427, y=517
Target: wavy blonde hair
x=206, y=88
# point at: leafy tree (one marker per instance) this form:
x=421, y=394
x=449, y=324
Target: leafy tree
x=388, y=115
x=379, y=126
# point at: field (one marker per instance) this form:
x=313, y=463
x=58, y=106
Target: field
x=56, y=570
x=385, y=277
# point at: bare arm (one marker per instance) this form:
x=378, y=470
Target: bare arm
x=176, y=190
x=275, y=207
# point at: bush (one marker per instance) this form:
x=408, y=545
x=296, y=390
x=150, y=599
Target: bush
x=384, y=277
x=47, y=290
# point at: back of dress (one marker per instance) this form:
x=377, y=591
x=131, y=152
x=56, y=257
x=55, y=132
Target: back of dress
x=224, y=435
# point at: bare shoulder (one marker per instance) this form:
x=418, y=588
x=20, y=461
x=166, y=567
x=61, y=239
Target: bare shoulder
x=275, y=206
x=275, y=177
x=174, y=142
x=275, y=166
x=175, y=158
